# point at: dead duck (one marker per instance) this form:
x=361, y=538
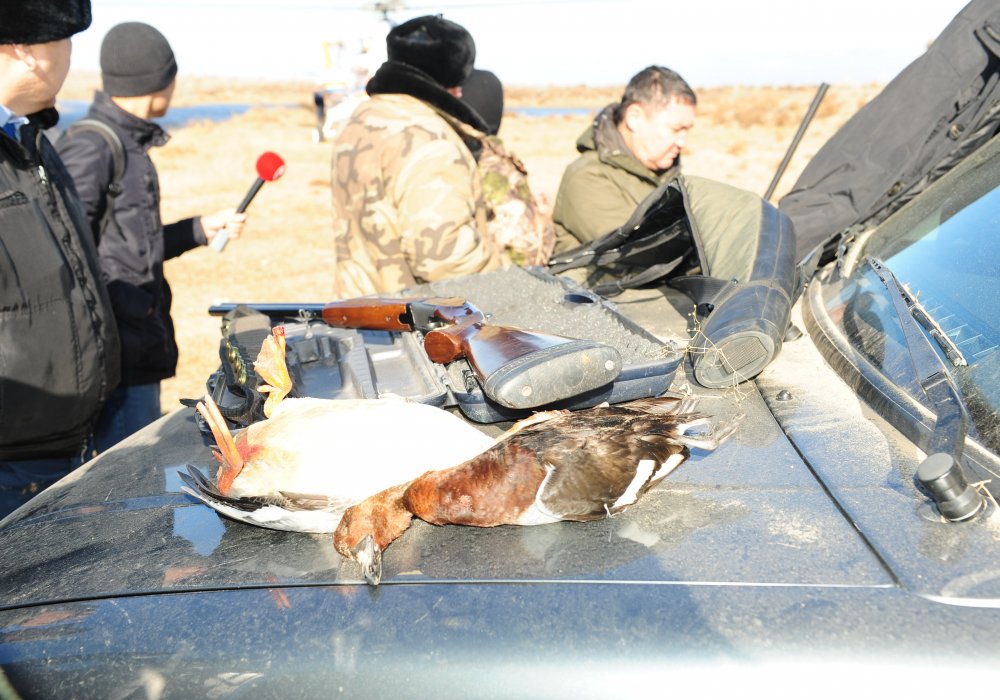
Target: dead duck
x=582, y=465
x=312, y=458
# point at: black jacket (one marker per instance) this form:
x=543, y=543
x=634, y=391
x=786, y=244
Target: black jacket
x=938, y=110
x=58, y=345
x=134, y=242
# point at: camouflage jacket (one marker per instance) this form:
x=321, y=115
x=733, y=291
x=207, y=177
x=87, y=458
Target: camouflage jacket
x=516, y=220
x=601, y=188
x=407, y=198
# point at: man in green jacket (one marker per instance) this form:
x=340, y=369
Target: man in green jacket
x=631, y=148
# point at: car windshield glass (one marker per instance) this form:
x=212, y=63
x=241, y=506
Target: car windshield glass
x=942, y=248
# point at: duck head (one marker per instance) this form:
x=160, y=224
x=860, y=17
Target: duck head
x=369, y=527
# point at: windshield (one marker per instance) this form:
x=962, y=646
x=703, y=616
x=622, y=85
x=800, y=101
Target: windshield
x=942, y=247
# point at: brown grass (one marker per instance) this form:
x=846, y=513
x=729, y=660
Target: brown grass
x=285, y=254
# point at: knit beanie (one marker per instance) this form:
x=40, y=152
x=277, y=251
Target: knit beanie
x=136, y=59
x=42, y=21
x=440, y=48
x=484, y=93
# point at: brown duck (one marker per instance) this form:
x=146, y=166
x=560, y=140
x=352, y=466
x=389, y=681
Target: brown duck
x=584, y=465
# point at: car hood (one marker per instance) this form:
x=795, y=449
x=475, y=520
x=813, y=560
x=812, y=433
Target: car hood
x=750, y=512
x=813, y=490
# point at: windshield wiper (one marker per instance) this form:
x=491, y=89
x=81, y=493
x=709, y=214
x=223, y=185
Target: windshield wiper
x=932, y=374
x=923, y=317
x=941, y=473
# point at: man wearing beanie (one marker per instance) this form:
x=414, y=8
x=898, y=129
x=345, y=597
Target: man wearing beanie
x=407, y=197
x=138, y=70
x=58, y=345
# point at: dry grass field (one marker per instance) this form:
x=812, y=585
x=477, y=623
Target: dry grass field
x=740, y=137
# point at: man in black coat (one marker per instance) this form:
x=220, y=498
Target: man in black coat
x=138, y=70
x=58, y=343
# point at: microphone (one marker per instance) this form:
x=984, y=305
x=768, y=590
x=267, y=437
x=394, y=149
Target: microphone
x=270, y=167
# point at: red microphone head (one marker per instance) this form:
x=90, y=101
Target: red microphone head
x=270, y=166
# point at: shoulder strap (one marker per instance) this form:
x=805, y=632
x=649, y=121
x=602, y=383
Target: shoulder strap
x=118, y=158
x=114, y=142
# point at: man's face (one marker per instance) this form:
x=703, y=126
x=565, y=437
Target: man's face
x=51, y=69
x=659, y=132
x=161, y=100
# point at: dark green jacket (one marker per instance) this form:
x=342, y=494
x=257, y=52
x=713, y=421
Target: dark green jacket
x=601, y=188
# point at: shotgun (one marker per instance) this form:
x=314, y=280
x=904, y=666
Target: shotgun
x=517, y=368
x=810, y=113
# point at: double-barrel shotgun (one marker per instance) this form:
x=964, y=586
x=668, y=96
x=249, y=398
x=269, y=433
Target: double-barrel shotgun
x=516, y=368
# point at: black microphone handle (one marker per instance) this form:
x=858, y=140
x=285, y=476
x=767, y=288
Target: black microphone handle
x=254, y=189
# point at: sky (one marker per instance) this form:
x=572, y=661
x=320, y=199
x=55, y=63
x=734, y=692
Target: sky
x=553, y=42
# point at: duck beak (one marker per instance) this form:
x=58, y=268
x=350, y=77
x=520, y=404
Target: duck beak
x=369, y=556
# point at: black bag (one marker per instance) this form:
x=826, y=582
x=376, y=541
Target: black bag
x=727, y=249
x=937, y=111
x=655, y=242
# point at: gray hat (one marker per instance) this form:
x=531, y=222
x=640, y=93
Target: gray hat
x=136, y=59
x=42, y=21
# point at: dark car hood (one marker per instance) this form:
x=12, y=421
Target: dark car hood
x=751, y=512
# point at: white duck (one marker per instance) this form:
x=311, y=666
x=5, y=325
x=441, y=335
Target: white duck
x=312, y=458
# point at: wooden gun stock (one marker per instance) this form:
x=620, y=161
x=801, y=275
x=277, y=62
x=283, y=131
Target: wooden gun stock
x=517, y=368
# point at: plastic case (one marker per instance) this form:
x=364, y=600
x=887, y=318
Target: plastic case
x=334, y=363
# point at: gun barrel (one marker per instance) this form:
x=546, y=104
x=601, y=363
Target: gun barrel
x=274, y=310
x=810, y=113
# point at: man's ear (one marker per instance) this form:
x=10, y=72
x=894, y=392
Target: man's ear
x=25, y=55
x=633, y=116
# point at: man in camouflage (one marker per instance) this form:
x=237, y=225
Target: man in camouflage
x=632, y=148
x=408, y=201
x=517, y=221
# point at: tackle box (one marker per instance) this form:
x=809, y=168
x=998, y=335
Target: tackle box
x=336, y=363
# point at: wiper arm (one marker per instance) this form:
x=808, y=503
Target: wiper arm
x=922, y=316
x=932, y=374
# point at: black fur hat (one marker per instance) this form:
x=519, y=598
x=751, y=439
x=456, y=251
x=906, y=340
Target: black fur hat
x=42, y=21
x=442, y=49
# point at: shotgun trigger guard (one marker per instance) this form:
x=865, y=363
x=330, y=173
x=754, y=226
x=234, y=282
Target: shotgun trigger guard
x=419, y=316
x=439, y=312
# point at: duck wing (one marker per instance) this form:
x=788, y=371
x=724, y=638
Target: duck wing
x=595, y=476
x=316, y=513
x=602, y=460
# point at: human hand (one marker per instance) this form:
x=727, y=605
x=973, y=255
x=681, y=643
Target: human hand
x=226, y=220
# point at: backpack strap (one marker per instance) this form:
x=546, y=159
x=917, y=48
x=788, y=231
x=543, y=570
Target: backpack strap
x=630, y=281
x=118, y=158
